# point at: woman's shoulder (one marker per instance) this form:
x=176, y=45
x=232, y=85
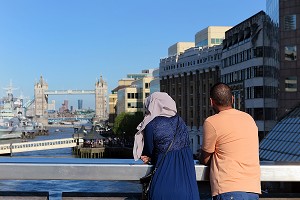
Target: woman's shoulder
x=164, y=120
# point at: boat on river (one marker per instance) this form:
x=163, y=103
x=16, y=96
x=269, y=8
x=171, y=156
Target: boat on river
x=9, y=129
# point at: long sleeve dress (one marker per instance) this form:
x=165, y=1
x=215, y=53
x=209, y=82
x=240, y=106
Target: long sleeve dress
x=175, y=177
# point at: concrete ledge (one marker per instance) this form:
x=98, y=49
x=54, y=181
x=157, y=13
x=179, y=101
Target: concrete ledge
x=280, y=196
x=100, y=196
x=18, y=195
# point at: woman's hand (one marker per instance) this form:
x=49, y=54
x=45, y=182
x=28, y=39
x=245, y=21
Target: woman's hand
x=146, y=159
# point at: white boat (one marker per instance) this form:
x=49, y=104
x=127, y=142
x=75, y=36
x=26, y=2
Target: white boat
x=8, y=130
x=16, y=128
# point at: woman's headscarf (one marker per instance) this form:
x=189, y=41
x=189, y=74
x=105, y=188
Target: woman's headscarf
x=157, y=104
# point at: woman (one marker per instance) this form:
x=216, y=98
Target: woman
x=175, y=177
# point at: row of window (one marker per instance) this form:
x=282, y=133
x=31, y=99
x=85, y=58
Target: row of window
x=245, y=55
x=137, y=95
x=250, y=72
x=262, y=113
x=261, y=92
x=194, y=62
x=132, y=95
x=237, y=58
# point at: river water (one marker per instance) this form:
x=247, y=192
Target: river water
x=56, y=187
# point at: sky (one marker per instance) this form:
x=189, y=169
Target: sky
x=71, y=43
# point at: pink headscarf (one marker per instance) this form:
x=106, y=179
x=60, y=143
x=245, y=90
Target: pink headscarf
x=157, y=104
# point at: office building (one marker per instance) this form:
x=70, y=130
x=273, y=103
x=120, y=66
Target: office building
x=211, y=36
x=155, y=83
x=179, y=48
x=51, y=106
x=113, y=97
x=131, y=99
x=80, y=104
x=289, y=87
x=188, y=76
x=250, y=67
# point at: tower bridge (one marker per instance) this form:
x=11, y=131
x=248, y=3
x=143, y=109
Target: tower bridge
x=41, y=94
x=65, y=92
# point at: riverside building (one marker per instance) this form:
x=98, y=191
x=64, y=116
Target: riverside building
x=131, y=99
x=188, y=76
x=130, y=93
x=250, y=66
x=289, y=15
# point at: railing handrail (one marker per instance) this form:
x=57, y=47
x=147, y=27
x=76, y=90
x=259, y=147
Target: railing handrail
x=116, y=169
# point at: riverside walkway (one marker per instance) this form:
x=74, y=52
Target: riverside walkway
x=37, y=145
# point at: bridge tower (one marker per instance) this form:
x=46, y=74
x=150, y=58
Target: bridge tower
x=41, y=101
x=101, y=100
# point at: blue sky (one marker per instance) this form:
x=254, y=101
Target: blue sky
x=71, y=43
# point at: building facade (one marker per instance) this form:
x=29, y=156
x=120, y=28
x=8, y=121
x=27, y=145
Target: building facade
x=250, y=66
x=131, y=99
x=179, y=48
x=155, y=83
x=289, y=18
x=187, y=78
x=113, y=97
x=211, y=36
x=79, y=104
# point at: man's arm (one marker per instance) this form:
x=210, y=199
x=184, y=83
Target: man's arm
x=205, y=157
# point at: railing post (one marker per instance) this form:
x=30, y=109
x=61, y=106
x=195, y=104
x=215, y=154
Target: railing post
x=10, y=149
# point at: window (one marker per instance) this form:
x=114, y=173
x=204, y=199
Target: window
x=290, y=53
x=147, y=85
x=213, y=40
x=291, y=84
x=290, y=22
x=258, y=52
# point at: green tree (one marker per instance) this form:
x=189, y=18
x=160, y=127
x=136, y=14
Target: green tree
x=126, y=123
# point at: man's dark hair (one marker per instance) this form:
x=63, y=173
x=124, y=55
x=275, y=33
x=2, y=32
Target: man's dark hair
x=221, y=94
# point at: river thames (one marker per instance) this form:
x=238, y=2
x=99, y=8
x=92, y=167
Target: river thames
x=56, y=187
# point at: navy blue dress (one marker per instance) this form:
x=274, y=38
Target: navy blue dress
x=175, y=177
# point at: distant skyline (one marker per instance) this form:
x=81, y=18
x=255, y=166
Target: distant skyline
x=72, y=43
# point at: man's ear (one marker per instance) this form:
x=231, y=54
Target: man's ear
x=211, y=102
x=232, y=100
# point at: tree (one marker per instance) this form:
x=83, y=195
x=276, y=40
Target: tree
x=126, y=123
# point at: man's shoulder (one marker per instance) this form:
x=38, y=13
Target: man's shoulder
x=227, y=114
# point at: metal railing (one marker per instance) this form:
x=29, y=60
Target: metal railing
x=17, y=168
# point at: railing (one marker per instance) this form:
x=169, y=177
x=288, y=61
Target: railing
x=117, y=170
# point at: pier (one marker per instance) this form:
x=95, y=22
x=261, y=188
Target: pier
x=37, y=145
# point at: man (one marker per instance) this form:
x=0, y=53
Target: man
x=230, y=148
